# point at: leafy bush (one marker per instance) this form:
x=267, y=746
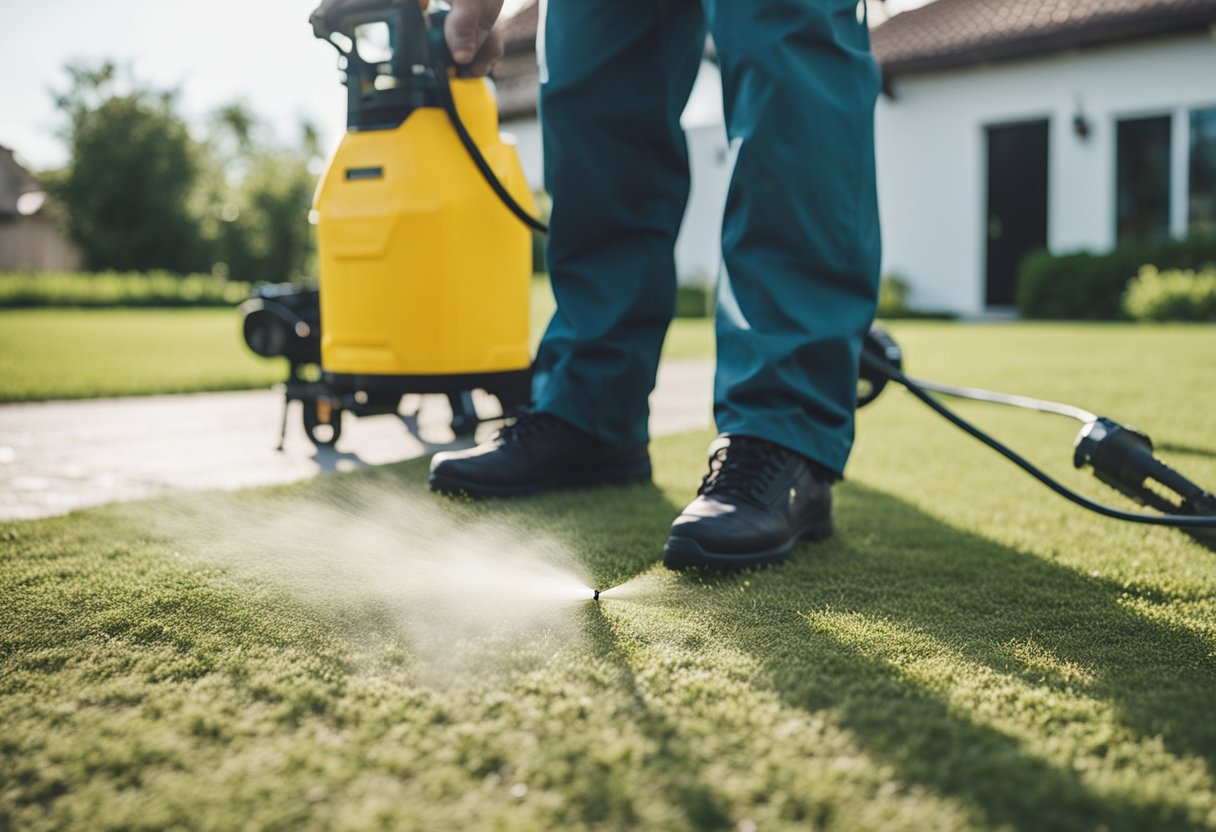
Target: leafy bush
x=1084, y=286
x=893, y=296
x=893, y=293
x=694, y=302
x=544, y=210
x=1172, y=296
x=117, y=289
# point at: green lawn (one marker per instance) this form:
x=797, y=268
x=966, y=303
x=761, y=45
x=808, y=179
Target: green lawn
x=968, y=652
x=86, y=353
x=82, y=353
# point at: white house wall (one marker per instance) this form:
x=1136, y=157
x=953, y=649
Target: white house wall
x=526, y=135
x=931, y=153
x=699, y=247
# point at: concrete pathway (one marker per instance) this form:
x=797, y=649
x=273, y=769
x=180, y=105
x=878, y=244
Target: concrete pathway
x=56, y=457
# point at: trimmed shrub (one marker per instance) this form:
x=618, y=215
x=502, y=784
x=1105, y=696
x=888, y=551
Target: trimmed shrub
x=893, y=293
x=1084, y=286
x=1172, y=296
x=694, y=302
x=544, y=208
x=117, y=289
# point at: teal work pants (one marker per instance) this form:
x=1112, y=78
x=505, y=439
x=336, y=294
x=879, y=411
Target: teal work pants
x=800, y=239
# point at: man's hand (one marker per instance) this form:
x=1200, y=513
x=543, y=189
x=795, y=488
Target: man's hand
x=470, y=34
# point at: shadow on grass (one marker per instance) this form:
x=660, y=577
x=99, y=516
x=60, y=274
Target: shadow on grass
x=677, y=761
x=331, y=460
x=957, y=596
x=978, y=599
x=1168, y=447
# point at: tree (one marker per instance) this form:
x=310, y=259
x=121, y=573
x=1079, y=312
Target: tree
x=134, y=168
x=267, y=237
x=259, y=222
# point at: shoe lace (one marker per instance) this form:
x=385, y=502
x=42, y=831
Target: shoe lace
x=526, y=425
x=744, y=468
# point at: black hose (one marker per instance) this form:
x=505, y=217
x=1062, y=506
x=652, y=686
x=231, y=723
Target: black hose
x=1172, y=520
x=449, y=106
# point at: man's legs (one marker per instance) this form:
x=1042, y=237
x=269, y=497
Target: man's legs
x=801, y=237
x=800, y=279
x=619, y=73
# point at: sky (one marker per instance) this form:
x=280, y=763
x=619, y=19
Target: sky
x=258, y=51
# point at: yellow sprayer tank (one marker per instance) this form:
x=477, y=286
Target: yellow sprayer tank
x=425, y=274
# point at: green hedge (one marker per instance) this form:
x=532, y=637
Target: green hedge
x=694, y=302
x=697, y=301
x=117, y=289
x=893, y=294
x=1082, y=286
x=1172, y=296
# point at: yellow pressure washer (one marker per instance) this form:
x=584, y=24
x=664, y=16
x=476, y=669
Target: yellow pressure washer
x=425, y=275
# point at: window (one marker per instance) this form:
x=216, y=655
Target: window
x=1202, y=203
x=1143, y=179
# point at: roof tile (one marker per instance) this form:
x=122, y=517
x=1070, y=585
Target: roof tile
x=957, y=32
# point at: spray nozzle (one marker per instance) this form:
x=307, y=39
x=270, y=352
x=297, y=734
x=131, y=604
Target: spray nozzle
x=595, y=595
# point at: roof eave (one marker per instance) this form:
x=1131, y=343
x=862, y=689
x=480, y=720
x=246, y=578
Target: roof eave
x=1093, y=34
x=517, y=113
x=520, y=45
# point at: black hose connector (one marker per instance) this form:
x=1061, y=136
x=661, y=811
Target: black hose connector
x=1123, y=458
x=877, y=348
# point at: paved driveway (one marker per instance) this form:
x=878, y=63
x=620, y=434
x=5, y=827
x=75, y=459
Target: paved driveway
x=56, y=457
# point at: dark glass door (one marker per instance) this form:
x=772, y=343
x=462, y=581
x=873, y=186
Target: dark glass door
x=1143, y=179
x=1017, y=203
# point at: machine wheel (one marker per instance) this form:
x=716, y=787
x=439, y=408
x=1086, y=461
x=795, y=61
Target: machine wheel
x=869, y=386
x=881, y=346
x=464, y=413
x=322, y=421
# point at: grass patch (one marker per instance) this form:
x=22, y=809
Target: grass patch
x=968, y=652
x=74, y=354
x=87, y=353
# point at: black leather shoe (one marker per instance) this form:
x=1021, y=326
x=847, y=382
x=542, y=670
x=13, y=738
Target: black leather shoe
x=756, y=502
x=537, y=452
